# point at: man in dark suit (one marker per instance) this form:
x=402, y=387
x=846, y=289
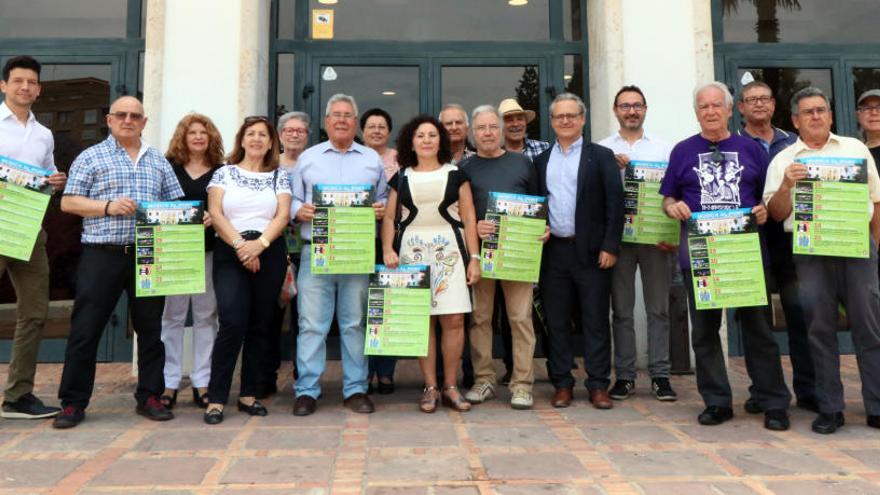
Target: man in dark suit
x=585, y=202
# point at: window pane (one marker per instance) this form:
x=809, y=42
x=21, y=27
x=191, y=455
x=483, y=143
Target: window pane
x=785, y=82
x=474, y=86
x=573, y=75
x=801, y=21
x=571, y=20
x=286, y=19
x=54, y=19
x=393, y=89
x=423, y=20
x=285, y=87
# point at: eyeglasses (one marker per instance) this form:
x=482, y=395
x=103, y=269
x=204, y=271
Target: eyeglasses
x=134, y=116
x=751, y=100
x=717, y=156
x=565, y=116
x=342, y=116
x=295, y=131
x=490, y=128
x=869, y=109
x=814, y=112
x=626, y=107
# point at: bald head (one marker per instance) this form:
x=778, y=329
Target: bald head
x=126, y=119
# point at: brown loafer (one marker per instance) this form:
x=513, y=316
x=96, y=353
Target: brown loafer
x=601, y=399
x=562, y=397
x=359, y=403
x=304, y=405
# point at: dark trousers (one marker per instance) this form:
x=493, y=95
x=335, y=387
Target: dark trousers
x=761, y=355
x=567, y=282
x=272, y=362
x=246, y=305
x=826, y=281
x=102, y=276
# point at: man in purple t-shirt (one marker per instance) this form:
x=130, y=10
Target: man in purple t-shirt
x=715, y=170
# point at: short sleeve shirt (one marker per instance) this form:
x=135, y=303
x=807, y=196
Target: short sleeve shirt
x=250, y=199
x=31, y=143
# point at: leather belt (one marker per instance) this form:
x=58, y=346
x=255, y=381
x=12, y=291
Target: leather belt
x=567, y=240
x=117, y=248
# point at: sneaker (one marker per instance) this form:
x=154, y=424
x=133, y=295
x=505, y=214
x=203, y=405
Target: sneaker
x=153, y=409
x=480, y=392
x=68, y=418
x=663, y=390
x=522, y=399
x=28, y=407
x=622, y=389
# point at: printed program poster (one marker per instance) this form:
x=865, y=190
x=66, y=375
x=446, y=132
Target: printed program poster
x=831, y=208
x=398, y=311
x=725, y=254
x=344, y=229
x=644, y=221
x=24, y=198
x=169, y=248
x=513, y=252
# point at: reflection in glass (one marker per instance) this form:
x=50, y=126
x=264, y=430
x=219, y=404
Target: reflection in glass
x=68, y=19
x=800, y=21
x=434, y=20
x=571, y=20
x=393, y=89
x=285, y=85
x=474, y=86
x=785, y=82
x=286, y=19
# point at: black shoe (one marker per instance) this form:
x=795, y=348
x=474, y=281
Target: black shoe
x=467, y=382
x=873, y=421
x=622, y=389
x=28, y=407
x=827, y=424
x=154, y=410
x=213, y=416
x=385, y=388
x=68, y=418
x=809, y=404
x=266, y=391
x=714, y=415
x=752, y=407
x=199, y=399
x=255, y=409
x=505, y=380
x=776, y=420
x=663, y=389
x=169, y=401
x=304, y=405
x=370, y=388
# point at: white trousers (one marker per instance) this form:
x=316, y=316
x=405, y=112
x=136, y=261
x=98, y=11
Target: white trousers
x=204, y=309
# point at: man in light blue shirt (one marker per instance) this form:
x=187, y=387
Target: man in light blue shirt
x=337, y=161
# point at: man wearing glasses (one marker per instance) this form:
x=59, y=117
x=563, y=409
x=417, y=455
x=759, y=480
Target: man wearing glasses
x=107, y=181
x=631, y=142
x=827, y=280
x=585, y=203
x=715, y=170
x=757, y=106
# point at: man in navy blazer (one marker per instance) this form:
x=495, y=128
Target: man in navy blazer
x=585, y=202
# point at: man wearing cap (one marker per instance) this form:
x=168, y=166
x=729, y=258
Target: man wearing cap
x=826, y=281
x=757, y=105
x=516, y=121
x=868, y=110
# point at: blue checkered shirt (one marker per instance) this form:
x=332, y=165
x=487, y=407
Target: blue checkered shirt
x=534, y=148
x=105, y=172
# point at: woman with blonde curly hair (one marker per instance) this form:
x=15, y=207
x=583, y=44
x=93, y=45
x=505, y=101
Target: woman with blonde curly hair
x=195, y=151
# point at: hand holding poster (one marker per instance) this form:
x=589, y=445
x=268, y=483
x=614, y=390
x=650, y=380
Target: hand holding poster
x=644, y=220
x=831, y=208
x=513, y=252
x=398, y=311
x=725, y=254
x=343, y=229
x=24, y=198
x=170, y=248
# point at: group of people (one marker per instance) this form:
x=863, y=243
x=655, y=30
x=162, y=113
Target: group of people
x=431, y=196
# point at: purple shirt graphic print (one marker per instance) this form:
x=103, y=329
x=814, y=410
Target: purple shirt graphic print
x=719, y=180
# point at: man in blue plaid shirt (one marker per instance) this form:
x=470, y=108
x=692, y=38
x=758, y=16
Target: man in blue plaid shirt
x=516, y=121
x=106, y=183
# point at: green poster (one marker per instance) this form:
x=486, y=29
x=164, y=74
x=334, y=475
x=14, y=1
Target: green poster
x=344, y=229
x=170, y=248
x=831, y=208
x=725, y=254
x=513, y=252
x=24, y=197
x=644, y=221
x=398, y=311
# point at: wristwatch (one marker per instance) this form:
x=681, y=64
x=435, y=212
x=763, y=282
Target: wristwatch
x=237, y=242
x=265, y=242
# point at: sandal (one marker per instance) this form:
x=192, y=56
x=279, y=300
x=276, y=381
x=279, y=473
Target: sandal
x=459, y=404
x=200, y=400
x=428, y=402
x=169, y=400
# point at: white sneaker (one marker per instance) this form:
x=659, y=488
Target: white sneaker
x=480, y=392
x=521, y=399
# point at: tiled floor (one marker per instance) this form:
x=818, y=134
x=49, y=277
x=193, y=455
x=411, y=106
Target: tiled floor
x=642, y=446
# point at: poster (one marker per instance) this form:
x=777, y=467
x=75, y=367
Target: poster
x=513, y=252
x=24, y=198
x=343, y=229
x=398, y=311
x=322, y=24
x=644, y=221
x=831, y=208
x=169, y=248
x=726, y=263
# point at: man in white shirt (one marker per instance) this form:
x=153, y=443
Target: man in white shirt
x=631, y=142
x=24, y=139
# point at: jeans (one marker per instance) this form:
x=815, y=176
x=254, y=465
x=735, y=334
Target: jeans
x=320, y=298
